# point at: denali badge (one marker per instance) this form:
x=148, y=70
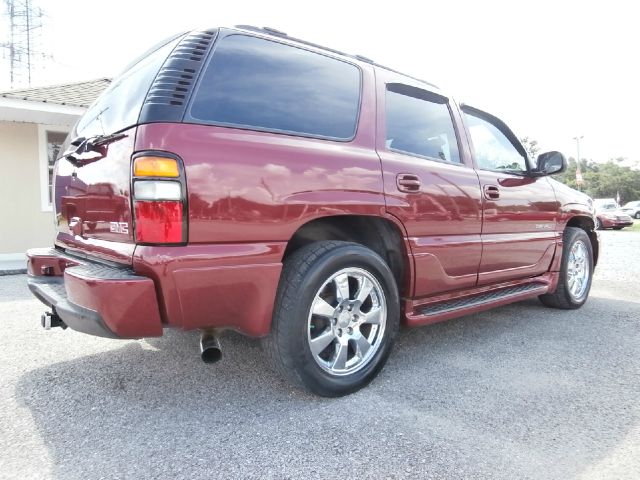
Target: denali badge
x=119, y=227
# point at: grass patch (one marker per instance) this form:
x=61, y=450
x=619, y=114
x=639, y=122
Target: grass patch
x=635, y=227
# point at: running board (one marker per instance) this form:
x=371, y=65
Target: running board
x=446, y=309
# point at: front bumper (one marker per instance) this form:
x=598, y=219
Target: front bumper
x=94, y=298
x=613, y=223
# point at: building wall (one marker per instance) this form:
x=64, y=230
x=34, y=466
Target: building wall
x=23, y=223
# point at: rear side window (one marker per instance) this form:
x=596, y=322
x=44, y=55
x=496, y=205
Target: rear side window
x=419, y=123
x=264, y=85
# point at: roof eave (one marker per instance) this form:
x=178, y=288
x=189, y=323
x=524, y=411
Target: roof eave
x=15, y=110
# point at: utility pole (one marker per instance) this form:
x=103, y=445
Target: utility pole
x=25, y=24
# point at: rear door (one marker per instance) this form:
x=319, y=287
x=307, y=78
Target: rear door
x=519, y=211
x=429, y=182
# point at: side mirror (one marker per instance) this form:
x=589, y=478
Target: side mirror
x=549, y=163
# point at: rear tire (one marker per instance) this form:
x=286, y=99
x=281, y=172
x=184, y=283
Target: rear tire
x=336, y=317
x=576, y=272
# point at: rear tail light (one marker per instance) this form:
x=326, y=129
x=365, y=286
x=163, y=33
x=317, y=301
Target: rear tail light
x=159, y=200
x=158, y=222
x=157, y=190
x=152, y=166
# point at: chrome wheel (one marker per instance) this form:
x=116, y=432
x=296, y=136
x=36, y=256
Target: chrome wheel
x=346, y=324
x=578, y=270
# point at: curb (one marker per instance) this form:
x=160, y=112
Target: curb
x=15, y=271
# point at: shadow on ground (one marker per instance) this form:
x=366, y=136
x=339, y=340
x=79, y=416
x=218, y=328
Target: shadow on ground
x=519, y=392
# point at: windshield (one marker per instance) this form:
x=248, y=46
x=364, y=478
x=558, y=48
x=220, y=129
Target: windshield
x=118, y=107
x=604, y=205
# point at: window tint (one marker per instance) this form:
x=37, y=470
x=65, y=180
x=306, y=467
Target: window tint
x=494, y=151
x=419, y=122
x=119, y=105
x=266, y=85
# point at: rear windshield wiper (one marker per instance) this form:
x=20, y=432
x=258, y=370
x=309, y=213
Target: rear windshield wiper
x=83, y=150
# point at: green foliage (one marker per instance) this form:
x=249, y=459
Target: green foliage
x=531, y=147
x=600, y=180
x=603, y=180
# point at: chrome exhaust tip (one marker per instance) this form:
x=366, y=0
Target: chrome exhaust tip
x=210, y=351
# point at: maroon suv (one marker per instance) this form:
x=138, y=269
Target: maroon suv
x=293, y=192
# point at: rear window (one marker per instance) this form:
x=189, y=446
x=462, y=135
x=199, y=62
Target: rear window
x=265, y=85
x=118, y=107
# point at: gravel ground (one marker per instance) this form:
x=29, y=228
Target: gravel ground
x=518, y=392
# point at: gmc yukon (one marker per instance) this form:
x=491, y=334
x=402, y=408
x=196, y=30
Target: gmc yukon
x=238, y=178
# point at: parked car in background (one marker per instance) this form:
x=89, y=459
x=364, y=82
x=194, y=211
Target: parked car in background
x=312, y=198
x=632, y=209
x=609, y=215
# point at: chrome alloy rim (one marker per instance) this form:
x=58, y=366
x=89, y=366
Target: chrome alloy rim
x=578, y=270
x=346, y=322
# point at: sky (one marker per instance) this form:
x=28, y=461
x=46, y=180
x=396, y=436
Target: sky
x=552, y=70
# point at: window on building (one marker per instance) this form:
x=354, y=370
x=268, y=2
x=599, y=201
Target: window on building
x=264, y=85
x=419, y=123
x=50, y=141
x=54, y=144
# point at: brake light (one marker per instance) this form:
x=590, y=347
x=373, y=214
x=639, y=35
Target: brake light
x=159, y=200
x=158, y=222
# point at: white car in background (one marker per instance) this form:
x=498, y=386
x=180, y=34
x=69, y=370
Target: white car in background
x=632, y=209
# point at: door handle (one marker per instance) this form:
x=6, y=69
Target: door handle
x=491, y=192
x=407, y=182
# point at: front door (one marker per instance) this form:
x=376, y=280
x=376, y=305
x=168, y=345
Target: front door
x=519, y=211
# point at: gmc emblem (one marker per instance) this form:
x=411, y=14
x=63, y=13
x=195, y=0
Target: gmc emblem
x=119, y=227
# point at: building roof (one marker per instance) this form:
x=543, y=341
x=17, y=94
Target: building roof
x=79, y=94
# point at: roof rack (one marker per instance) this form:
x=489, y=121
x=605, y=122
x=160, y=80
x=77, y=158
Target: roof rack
x=279, y=33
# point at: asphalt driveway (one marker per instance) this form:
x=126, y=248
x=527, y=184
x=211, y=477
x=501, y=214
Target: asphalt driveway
x=519, y=392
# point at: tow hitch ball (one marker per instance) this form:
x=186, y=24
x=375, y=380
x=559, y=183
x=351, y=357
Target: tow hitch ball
x=50, y=320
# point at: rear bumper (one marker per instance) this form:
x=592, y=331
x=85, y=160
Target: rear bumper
x=222, y=286
x=93, y=298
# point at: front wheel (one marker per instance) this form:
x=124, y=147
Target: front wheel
x=336, y=317
x=576, y=272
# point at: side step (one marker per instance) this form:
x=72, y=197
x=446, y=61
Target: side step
x=445, y=309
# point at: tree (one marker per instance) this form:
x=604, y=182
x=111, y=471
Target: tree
x=603, y=180
x=531, y=147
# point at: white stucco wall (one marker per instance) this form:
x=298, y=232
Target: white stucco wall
x=23, y=223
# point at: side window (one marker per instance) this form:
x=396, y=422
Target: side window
x=494, y=151
x=256, y=83
x=419, y=123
